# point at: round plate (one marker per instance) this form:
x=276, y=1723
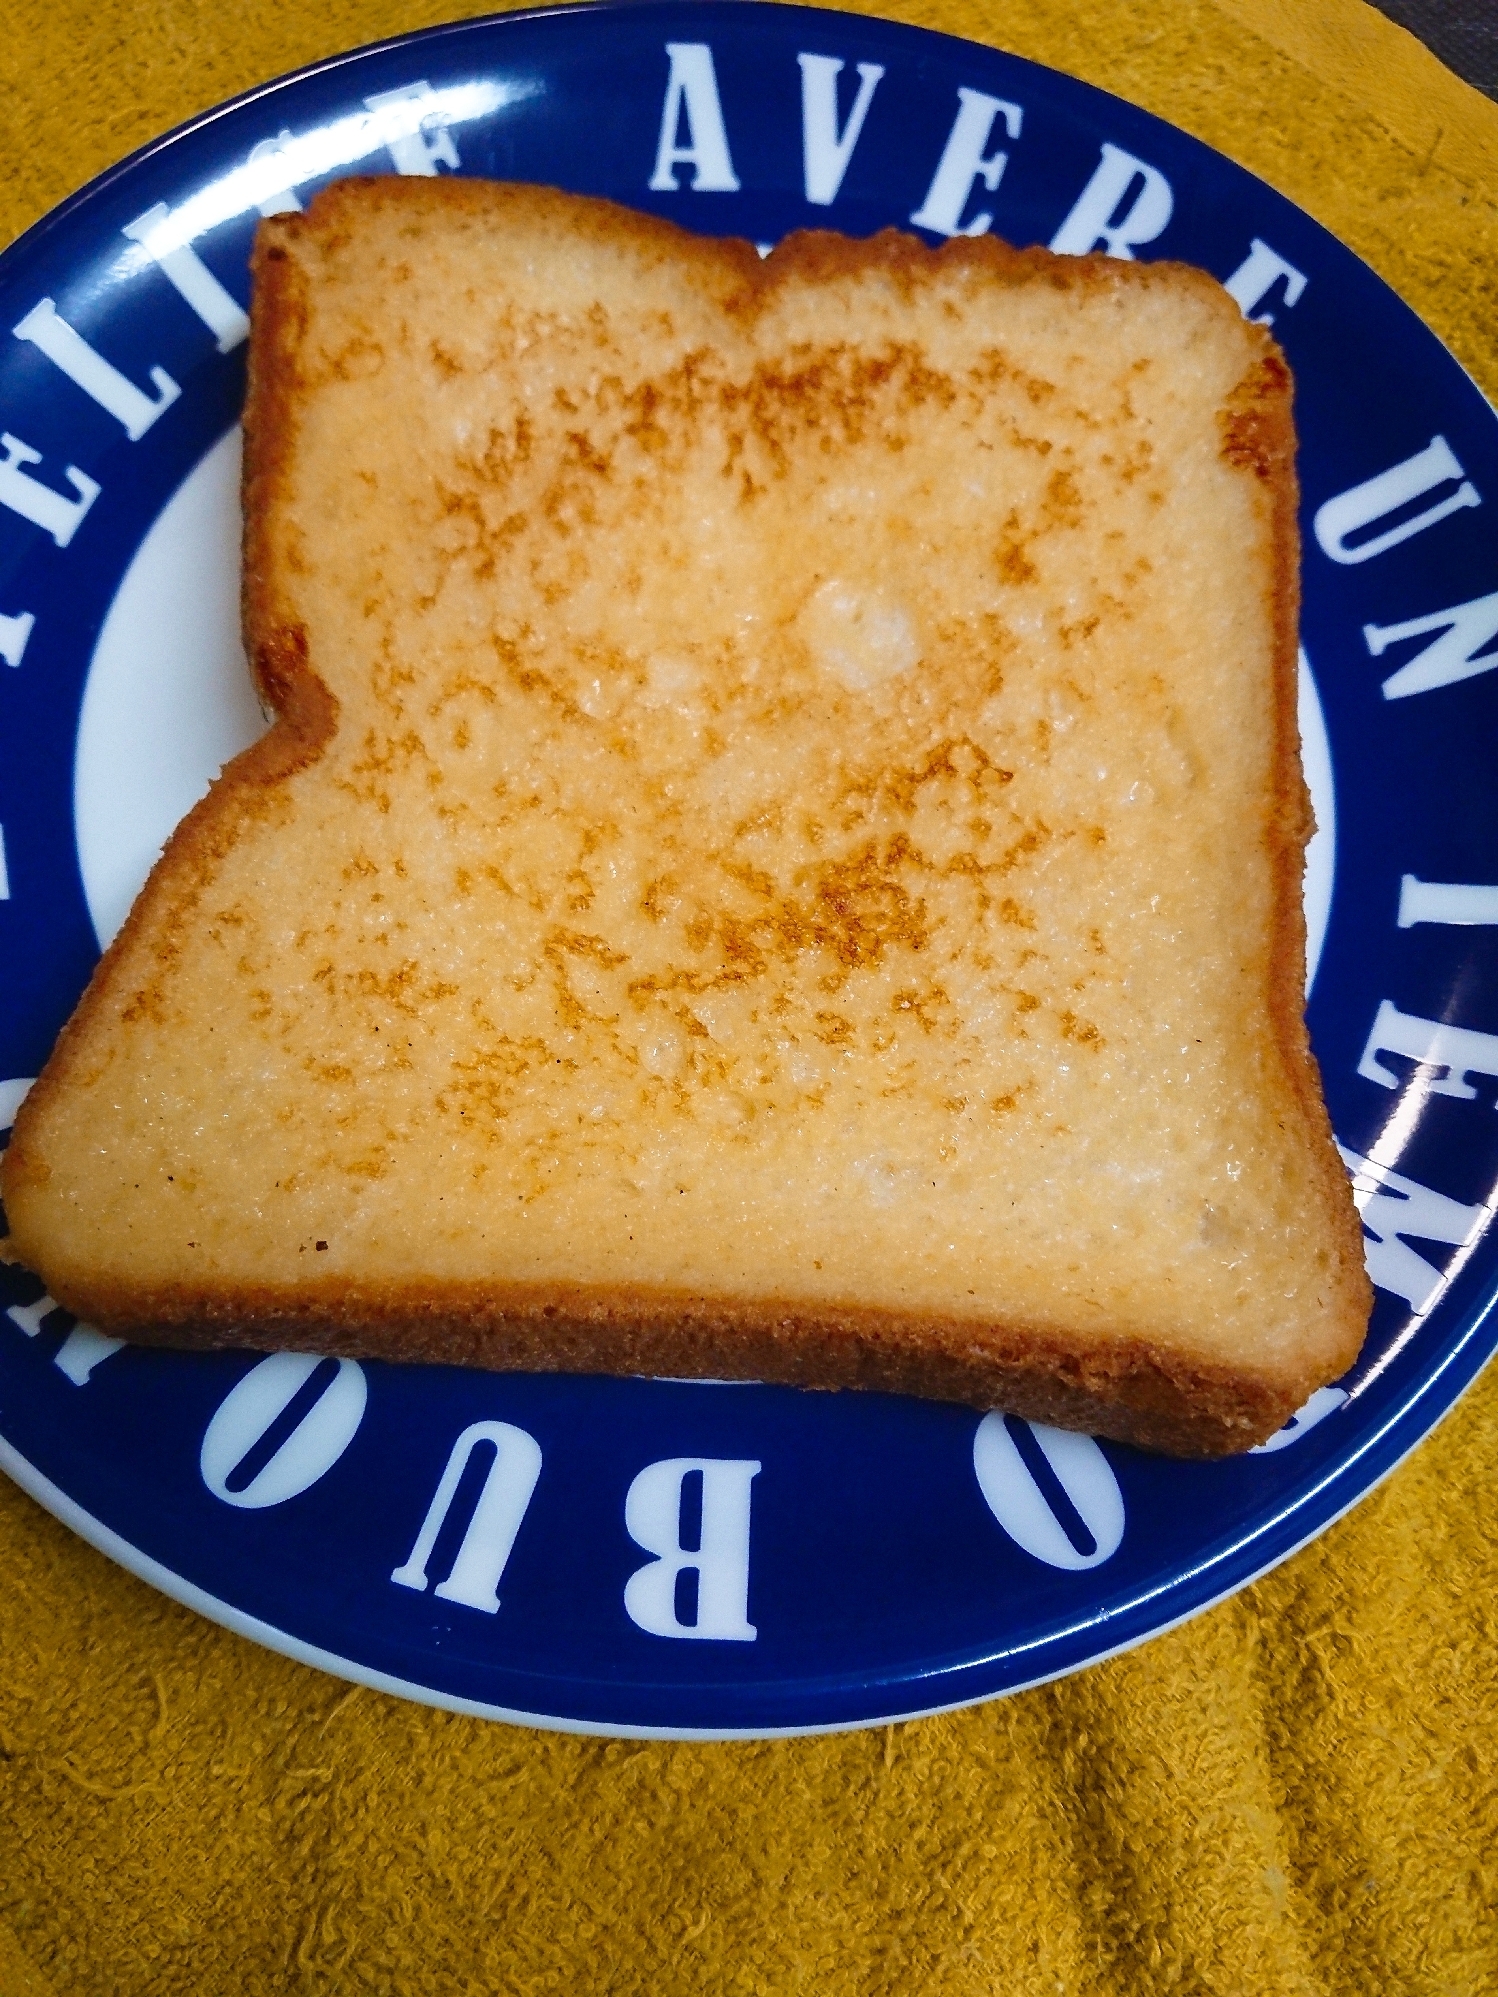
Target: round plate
x=669, y=1557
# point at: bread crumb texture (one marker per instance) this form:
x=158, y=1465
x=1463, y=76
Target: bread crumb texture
x=786, y=794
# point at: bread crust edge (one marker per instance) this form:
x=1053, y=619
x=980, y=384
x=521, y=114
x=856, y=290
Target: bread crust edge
x=1123, y=1387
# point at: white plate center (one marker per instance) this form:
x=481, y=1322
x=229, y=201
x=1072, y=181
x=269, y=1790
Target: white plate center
x=168, y=699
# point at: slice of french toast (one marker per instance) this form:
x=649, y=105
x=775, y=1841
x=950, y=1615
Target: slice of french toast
x=779, y=854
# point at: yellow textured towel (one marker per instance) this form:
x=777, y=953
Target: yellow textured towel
x=1298, y=1793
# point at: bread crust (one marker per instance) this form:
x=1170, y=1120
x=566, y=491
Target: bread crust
x=1118, y=1385
x=1125, y=1388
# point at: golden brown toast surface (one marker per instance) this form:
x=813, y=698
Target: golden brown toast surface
x=781, y=852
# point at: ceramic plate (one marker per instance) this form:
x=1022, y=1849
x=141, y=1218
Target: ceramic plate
x=655, y=1556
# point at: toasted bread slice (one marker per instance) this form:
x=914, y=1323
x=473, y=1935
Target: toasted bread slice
x=780, y=851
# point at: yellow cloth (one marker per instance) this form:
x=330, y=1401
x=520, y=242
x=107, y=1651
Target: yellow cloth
x=1298, y=1793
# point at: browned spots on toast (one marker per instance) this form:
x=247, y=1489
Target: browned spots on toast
x=575, y=943
x=1021, y=440
x=1061, y=504
x=859, y=908
x=356, y=359
x=993, y=367
x=1003, y=1104
x=831, y=395
x=471, y=532
x=580, y=891
x=1078, y=631
x=517, y=661
x=484, y=1082
x=853, y=908
x=507, y=449
x=660, y=898
x=957, y=761
x=922, y=1003
x=1252, y=427
x=460, y=686
x=835, y=394
x=332, y=1073
x=1131, y=463
x=1011, y=557
x=1025, y=847
x=363, y=1167
x=375, y=772
x=1078, y=1030
x=407, y=988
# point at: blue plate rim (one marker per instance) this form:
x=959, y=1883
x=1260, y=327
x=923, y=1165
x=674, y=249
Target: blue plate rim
x=82, y=1523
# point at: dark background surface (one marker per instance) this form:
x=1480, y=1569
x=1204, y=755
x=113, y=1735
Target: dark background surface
x=1463, y=33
